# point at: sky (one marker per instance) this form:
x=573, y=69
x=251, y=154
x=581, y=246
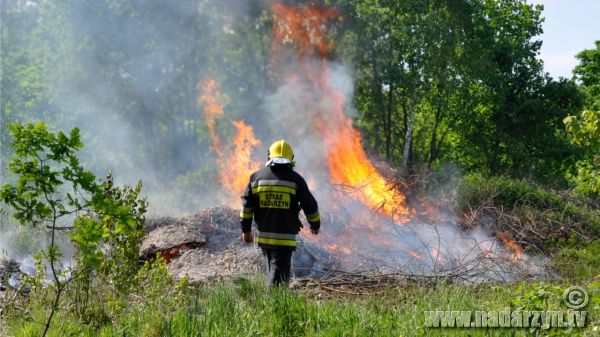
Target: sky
x=570, y=26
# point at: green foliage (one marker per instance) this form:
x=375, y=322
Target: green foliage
x=541, y=296
x=468, y=74
x=588, y=72
x=122, y=217
x=44, y=163
x=505, y=192
x=584, y=128
x=116, y=226
x=594, y=289
x=52, y=188
x=587, y=179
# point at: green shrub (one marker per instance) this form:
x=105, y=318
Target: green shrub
x=52, y=191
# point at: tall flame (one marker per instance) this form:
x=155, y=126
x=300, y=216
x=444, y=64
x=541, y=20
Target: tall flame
x=239, y=166
x=303, y=29
x=348, y=165
x=235, y=165
x=211, y=99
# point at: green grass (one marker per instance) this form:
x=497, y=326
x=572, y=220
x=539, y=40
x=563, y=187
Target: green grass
x=245, y=308
x=578, y=264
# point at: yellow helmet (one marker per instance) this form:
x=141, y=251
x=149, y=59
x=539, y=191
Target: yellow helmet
x=281, y=149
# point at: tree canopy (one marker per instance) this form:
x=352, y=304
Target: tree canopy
x=437, y=82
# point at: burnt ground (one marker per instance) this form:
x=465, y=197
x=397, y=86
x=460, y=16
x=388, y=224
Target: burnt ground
x=207, y=246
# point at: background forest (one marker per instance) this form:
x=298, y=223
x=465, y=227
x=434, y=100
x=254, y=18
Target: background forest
x=438, y=85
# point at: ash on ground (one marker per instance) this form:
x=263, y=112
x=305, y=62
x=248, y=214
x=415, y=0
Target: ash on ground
x=207, y=246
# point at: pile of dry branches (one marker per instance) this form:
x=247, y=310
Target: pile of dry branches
x=528, y=226
x=9, y=293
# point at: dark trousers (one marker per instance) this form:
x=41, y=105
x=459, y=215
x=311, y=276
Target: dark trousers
x=279, y=264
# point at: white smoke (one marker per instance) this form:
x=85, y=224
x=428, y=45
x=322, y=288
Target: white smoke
x=127, y=129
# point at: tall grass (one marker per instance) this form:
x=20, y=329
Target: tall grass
x=246, y=308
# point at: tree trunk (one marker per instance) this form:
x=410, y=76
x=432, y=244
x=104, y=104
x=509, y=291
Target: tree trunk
x=409, y=129
x=376, y=87
x=495, y=153
x=404, y=117
x=388, y=124
x=433, y=142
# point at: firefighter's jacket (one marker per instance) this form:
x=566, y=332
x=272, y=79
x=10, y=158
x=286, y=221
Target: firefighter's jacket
x=274, y=197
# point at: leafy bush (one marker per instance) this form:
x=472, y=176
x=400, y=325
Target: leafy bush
x=585, y=131
x=53, y=191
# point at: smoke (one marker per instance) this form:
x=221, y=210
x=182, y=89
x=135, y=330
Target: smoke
x=127, y=75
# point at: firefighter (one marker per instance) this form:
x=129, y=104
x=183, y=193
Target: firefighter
x=274, y=197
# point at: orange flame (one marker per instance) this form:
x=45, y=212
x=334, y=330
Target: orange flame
x=349, y=166
x=239, y=166
x=303, y=28
x=211, y=99
x=335, y=248
x=415, y=255
x=511, y=244
x=235, y=165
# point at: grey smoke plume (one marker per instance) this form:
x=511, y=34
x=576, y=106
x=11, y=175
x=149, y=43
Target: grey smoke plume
x=127, y=75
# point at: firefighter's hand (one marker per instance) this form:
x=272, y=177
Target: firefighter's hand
x=247, y=237
x=315, y=231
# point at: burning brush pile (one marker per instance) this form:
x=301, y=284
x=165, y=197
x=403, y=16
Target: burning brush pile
x=368, y=225
x=206, y=246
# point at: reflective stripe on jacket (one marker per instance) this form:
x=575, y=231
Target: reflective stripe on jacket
x=273, y=198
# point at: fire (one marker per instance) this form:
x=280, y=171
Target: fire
x=349, y=166
x=335, y=248
x=239, y=166
x=431, y=211
x=303, y=28
x=511, y=244
x=415, y=255
x=235, y=165
x=211, y=99
x=314, y=96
